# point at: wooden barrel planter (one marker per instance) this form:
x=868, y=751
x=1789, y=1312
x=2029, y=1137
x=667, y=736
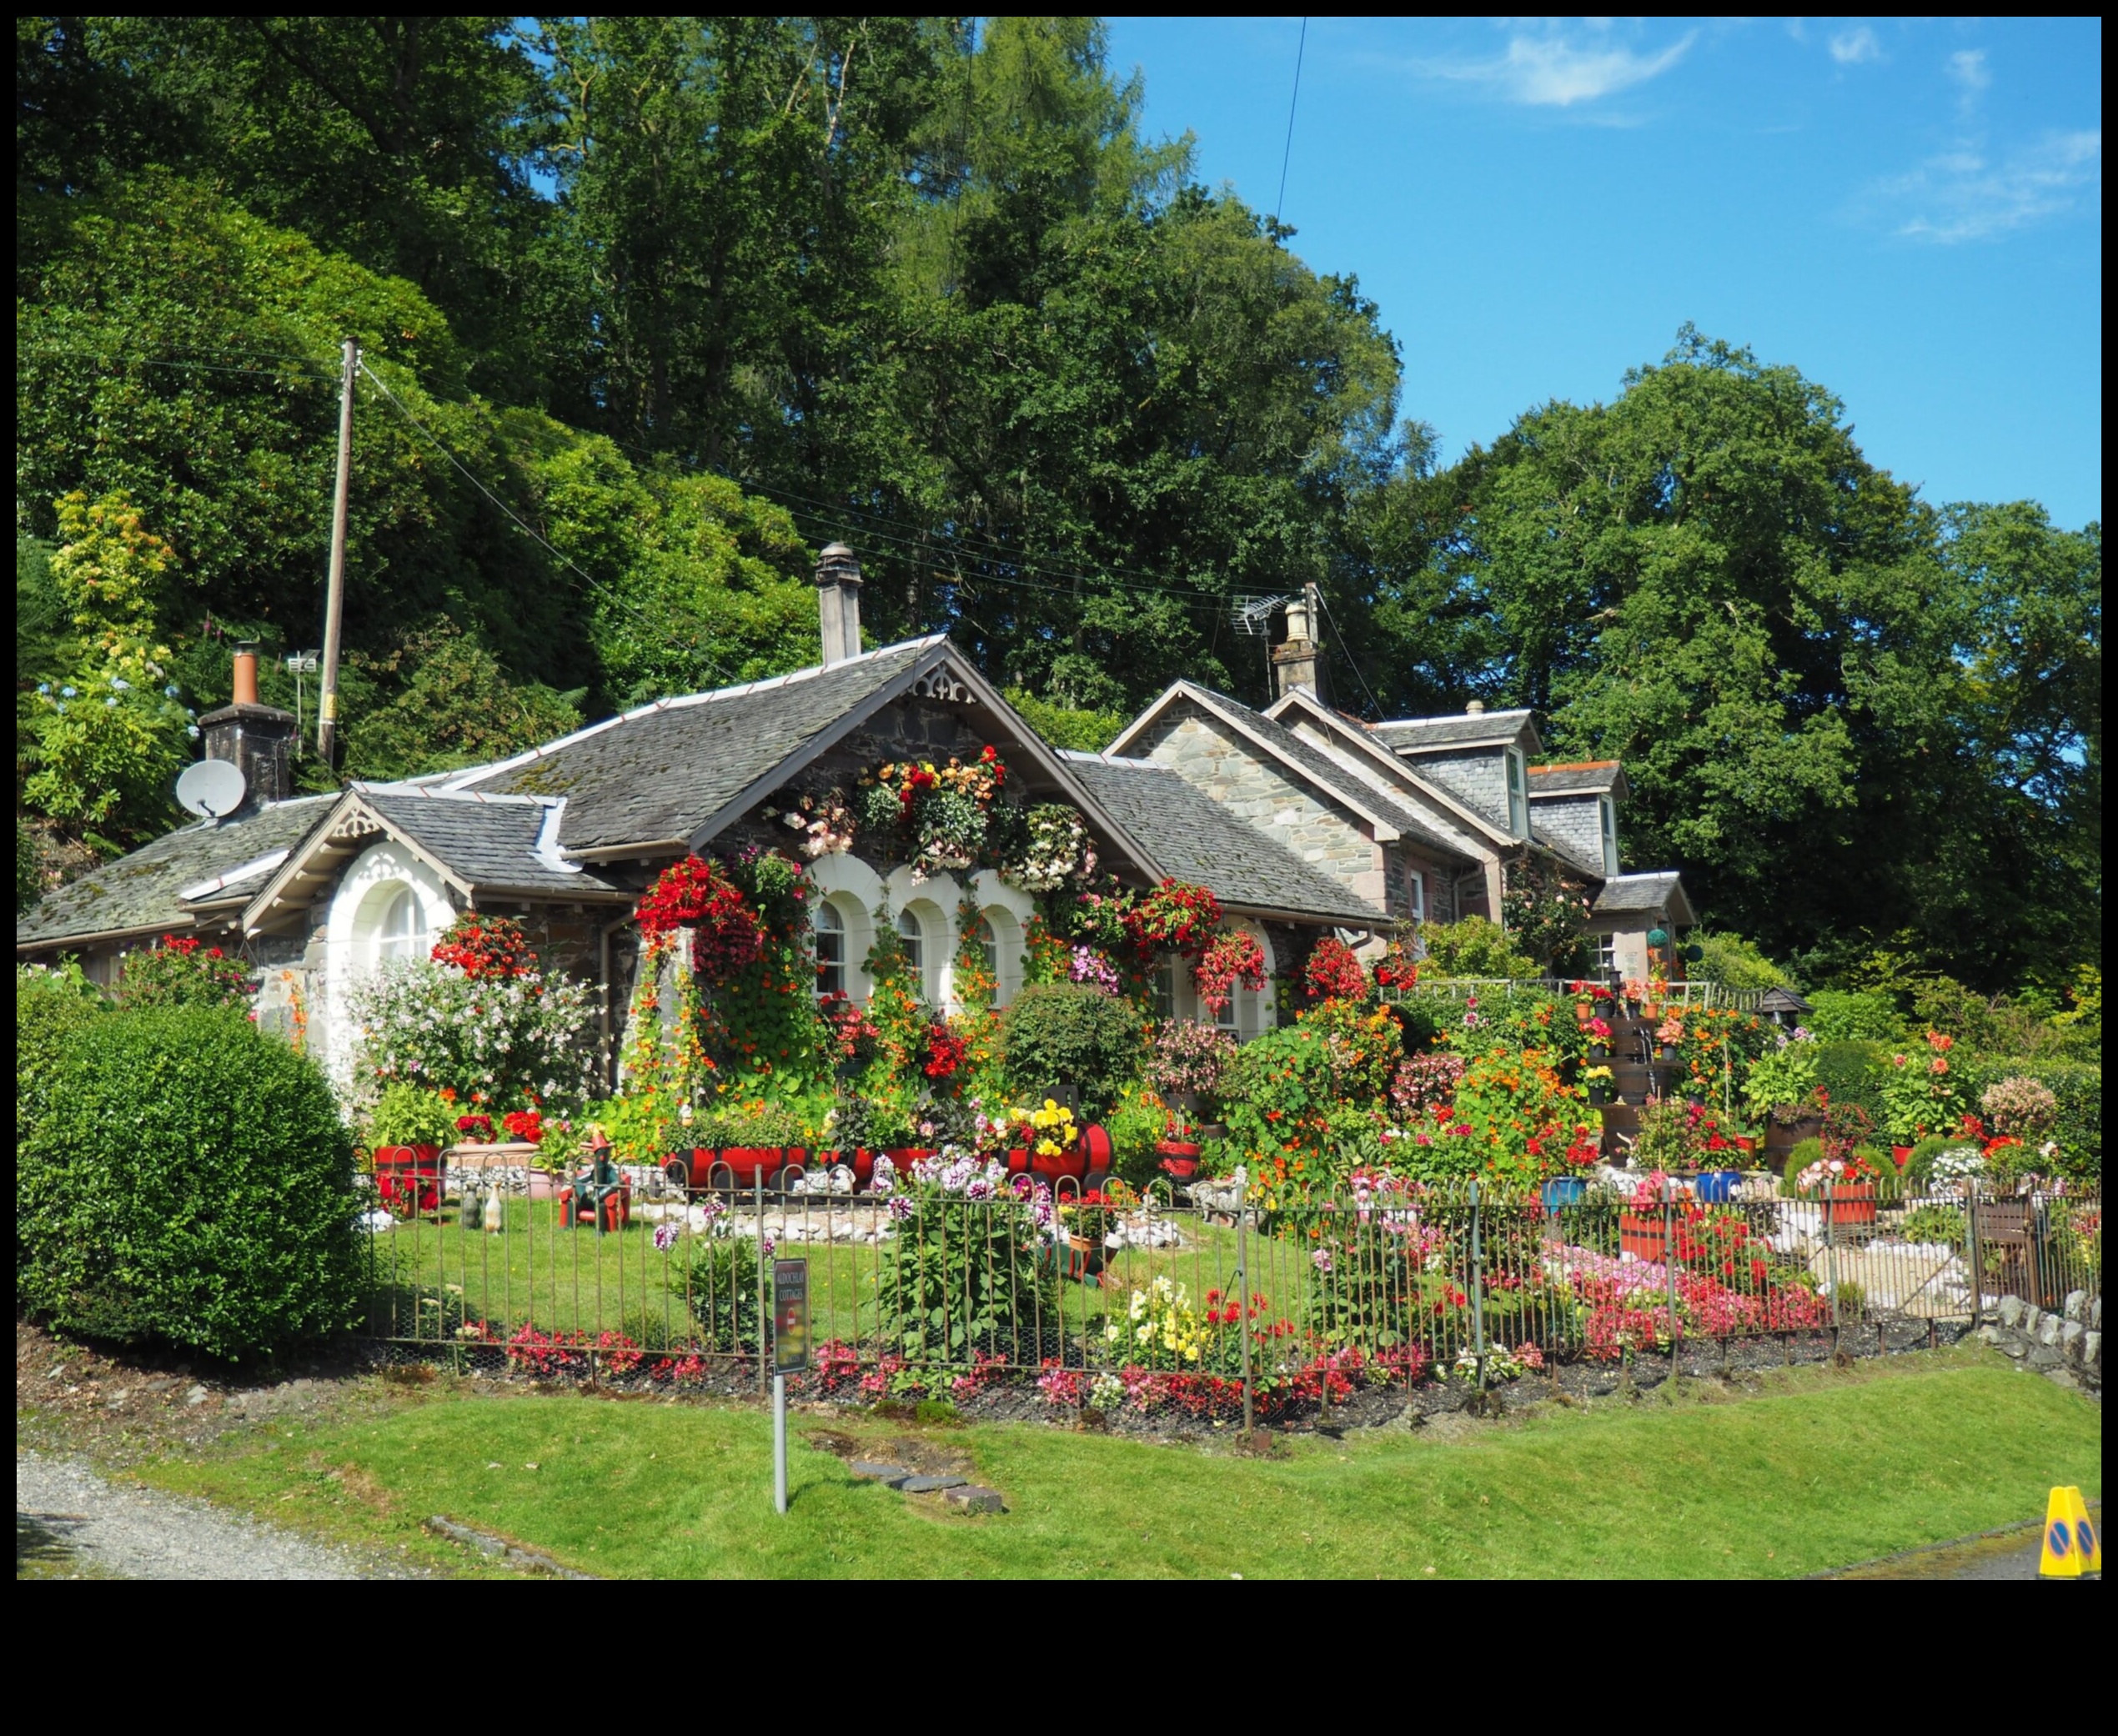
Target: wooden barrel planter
x=1643, y=1234
x=1781, y=1138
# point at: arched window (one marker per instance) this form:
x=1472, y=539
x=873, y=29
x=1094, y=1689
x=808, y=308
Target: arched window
x=915, y=938
x=988, y=947
x=830, y=950
x=403, y=931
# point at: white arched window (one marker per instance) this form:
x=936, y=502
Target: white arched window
x=988, y=947
x=403, y=931
x=915, y=938
x=830, y=950
x=1000, y=937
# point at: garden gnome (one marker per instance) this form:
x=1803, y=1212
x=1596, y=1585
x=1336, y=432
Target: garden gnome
x=601, y=1181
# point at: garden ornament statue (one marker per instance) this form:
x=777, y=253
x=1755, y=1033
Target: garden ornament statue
x=600, y=1182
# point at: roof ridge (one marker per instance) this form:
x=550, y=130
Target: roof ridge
x=427, y=792
x=1578, y=766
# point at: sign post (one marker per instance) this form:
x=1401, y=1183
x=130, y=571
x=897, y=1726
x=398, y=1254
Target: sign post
x=790, y=1355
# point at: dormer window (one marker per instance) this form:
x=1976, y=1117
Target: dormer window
x=1609, y=809
x=1518, y=797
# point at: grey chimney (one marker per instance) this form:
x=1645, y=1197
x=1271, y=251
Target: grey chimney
x=258, y=740
x=1297, y=661
x=838, y=603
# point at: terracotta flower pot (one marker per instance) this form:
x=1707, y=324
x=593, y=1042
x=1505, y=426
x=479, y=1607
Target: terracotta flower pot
x=1902, y=1154
x=1850, y=1203
x=1743, y=1143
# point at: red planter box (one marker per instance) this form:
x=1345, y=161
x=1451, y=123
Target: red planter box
x=1853, y=1203
x=1644, y=1237
x=410, y=1178
x=1180, y=1158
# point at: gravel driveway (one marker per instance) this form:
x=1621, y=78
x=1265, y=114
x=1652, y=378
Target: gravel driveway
x=69, y=1523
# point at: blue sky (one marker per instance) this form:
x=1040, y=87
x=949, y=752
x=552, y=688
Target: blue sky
x=1909, y=213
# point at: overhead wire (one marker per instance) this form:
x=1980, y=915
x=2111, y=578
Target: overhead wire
x=1374, y=704
x=1287, y=153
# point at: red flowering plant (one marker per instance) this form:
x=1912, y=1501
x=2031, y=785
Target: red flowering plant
x=1396, y=969
x=943, y=1052
x=853, y=1033
x=486, y=948
x=698, y=895
x=1174, y=918
x=1334, y=973
x=1230, y=958
x=526, y=1125
x=474, y=1129
x=182, y=971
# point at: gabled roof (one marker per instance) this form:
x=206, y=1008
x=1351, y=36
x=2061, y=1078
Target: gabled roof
x=1662, y=892
x=1196, y=839
x=665, y=774
x=1355, y=737
x=1310, y=764
x=162, y=886
x=1582, y=777
x=487, y=847
x=1457, y=729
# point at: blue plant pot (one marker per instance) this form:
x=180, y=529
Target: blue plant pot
x=1716, y=1187
x=1564, y=1191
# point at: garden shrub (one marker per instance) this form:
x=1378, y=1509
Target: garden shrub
x=721, y=1279
x=969, y=1271
x=1735, y=963
x=1806, y=1152
x=1846, y=1015
x=2077, y=1123
x=1476, y=946
x=52, y=1009
x=180, y=970
x=1068, y=1034
x=1919, y=1166
x=1852, y=1072
x=190, y=1180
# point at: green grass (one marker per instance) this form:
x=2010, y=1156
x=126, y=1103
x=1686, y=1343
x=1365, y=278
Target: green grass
x=1820, y=1470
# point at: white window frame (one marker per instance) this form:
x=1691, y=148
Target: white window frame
x=1416, y=892
x=827, y=966
x=395, y=937
x=1517, y=775
x=1607, y=817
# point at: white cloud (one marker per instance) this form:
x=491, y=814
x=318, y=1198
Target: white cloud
x=1851, y=48
x=1964, y=195
x=1968, y=68
x=1555, y=70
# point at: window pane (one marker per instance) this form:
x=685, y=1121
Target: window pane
x=830, y=951
x=914, y=939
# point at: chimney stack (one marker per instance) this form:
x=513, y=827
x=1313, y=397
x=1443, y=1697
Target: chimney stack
x=838, y=603
x=1297, y=661
x=256, y=739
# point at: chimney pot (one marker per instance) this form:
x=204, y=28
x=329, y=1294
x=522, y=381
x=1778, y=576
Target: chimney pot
x=1475, y=709
x=246, y=675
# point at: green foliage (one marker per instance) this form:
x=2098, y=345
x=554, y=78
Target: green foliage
x=457, y=708
x=1841, y=1015
x=1544, y=910
x=1510, y=1022
x=964, y=1276
x=1474, y=947
x=1781, y=1075
x=720, y=1278
x=1070, y=1034
x=52, y=1008
x=181, y=971
x=29, y=874
x=1919, y=1166
x=1735, y=963
x=189, y=1181
x=1088, y=732
x=1934, y=1223
x=410, y=1115
x=1852, y=1073
x=2078, y=1085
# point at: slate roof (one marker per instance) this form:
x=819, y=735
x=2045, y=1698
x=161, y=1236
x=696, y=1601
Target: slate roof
x=1321, y=768
x=1644, y=894
x=1196, y=839
x=1457, y=729
x=491, y=842
x=1586, y=777
x=662, y=772
x=139, y=893
x=1566, y=851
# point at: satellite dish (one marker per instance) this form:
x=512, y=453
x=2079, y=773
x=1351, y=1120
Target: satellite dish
x=212, y=789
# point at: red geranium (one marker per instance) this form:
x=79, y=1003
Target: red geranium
x=1334, y=973
x=696, y=894
x=486, y=947
x=1231, y=958
x=527, y=1125
x=1174, y=918
x=945, y=1051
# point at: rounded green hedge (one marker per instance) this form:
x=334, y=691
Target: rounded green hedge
x=188, y=1180
x=1063, y=1033
x=52, y=1009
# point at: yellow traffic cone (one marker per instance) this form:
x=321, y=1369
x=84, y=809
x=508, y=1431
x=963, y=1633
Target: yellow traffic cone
x=2087, y=1545
x=2061, y=1558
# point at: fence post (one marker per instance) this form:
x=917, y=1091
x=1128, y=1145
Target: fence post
x=1831, y=1256
x=1974, y=1257
x=1242, y=1292
x=764, y=1301
x=1670, y=1263
x=1478, y=1289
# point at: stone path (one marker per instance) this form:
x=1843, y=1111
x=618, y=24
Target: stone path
x=71, y=1523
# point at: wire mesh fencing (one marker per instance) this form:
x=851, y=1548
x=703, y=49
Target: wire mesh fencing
x=1007, y=1296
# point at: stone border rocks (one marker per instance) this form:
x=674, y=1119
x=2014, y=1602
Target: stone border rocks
x=2065, y=1347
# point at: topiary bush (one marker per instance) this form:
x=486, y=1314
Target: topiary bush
x=2078, y=1087
x=1062, y=1033
x=1852, y=1072
x=188, y=1180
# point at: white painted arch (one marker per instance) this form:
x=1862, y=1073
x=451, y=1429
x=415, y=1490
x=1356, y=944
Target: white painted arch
x=378, y=877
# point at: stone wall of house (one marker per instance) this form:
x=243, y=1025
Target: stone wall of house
x=1209, y=755
x=1446, y=825
x=1577, y=821
x=1477, y=778
x=1440, y=884
x=2065, y=1345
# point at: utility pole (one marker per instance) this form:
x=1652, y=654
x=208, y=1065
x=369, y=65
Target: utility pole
x=327, y=709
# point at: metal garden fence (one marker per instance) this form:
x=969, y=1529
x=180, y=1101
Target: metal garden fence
x=1217, y=1308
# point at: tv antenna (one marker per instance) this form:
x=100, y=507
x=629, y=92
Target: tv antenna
x=1254, y=619
x=298, y=664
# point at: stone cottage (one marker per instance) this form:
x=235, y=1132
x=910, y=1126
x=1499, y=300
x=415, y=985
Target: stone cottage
x=1301, y=821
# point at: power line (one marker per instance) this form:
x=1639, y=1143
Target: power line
x=594, y=583
x=1374, y=704
x=1279, y=204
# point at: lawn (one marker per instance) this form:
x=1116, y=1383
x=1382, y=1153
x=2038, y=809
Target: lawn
x=1816, y=1469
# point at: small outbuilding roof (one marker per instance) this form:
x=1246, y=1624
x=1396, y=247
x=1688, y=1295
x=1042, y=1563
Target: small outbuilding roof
x=1582, y=777
x=1659, y=894
x=1781, y=999
x=1459, y=729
